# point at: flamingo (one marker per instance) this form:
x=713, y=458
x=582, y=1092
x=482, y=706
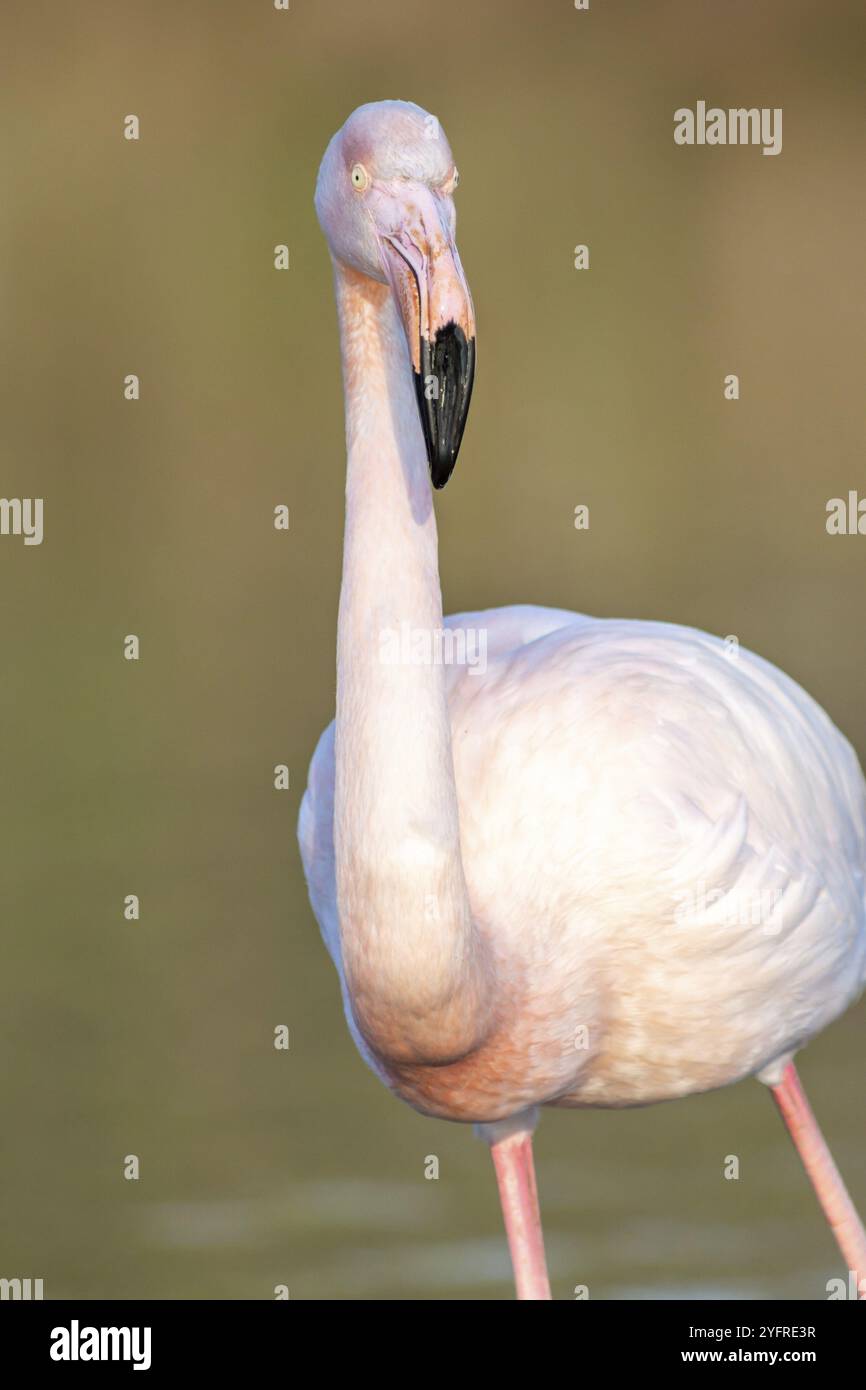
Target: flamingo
x=612, y=863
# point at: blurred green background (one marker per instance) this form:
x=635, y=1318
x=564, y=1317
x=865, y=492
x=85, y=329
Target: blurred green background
x=604, y=387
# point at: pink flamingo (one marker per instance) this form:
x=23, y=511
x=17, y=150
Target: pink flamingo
x=611, y=863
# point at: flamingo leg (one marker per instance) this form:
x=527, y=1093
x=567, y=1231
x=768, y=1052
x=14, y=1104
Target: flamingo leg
x=823, y=1173
x=515, y=1175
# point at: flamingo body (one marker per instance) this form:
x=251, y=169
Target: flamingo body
x=612, y=863
x=664, y=843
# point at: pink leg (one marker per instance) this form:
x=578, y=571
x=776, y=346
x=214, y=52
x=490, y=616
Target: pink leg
x=823, y=1173
x=515, y=1174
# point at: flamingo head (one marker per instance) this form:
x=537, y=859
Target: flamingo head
x=384, y=199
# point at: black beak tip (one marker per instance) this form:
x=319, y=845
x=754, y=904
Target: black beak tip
x=443, y=388
x=441, y=466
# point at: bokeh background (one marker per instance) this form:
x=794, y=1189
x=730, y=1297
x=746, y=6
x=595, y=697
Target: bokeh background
x=603, y=387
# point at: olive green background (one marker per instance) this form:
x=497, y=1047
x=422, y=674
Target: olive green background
x=602, y=387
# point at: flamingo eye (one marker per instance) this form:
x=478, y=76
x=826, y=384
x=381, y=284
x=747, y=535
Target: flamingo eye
x=360, y=178
x=456, y=179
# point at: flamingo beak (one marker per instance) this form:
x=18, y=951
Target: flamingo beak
x=422, y=266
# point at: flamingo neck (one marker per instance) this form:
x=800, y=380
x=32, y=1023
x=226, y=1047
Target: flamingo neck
x=414, y=965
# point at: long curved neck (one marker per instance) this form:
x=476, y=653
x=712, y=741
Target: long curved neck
x=415, y=966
